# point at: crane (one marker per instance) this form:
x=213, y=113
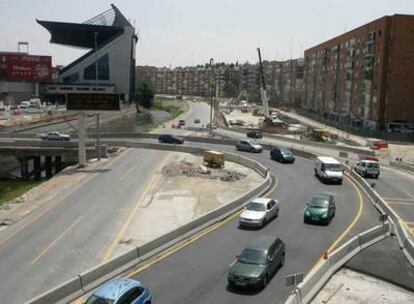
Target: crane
x=263, y=95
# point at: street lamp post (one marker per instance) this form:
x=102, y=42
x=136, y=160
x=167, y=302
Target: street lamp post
x=98, y=137
x=211, y=94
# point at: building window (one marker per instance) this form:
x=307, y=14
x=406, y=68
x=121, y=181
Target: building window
x=71, y=78
x=103, y=69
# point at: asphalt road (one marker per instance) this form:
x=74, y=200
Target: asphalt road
x=198, y=273
x=41, y=251
x=397, y=189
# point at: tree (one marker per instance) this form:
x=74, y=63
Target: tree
x=145, y=94
x=230, y=89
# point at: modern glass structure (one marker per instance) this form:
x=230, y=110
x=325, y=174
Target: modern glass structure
x=109, y=66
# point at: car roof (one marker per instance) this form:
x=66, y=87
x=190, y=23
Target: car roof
x=261, y=200
x=262, y=242
x=328, y=160
x=323, y=195
x=115, y=288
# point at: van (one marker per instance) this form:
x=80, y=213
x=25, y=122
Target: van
x=328, y=169
x=368, y=166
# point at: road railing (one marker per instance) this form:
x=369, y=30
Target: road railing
x=317, y=277
x=88, y=280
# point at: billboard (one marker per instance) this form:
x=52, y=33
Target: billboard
x=93, y=102
x=24, y=67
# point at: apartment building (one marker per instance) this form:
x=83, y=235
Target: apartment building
x=284, y=80
x=364, y=78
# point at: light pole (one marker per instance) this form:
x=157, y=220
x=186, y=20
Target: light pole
x=211, y=94
x=98, y=138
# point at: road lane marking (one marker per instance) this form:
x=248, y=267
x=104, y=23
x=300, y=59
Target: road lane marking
x=348, y=229
x=51, y=206
x=132, y=214
x=151, y=261
x=127, y=173
x=401, y=203
x=56, y=240
x=409, y=226
x=398, y=199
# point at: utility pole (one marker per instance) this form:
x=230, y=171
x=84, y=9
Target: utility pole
x=211, y=93
x=98, y=137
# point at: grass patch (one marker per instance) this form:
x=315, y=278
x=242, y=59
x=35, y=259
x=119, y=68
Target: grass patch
x=10, y=190
x=174, y=110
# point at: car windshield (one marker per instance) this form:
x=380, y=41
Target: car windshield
x=255, y=207
x=333, y=167
x=319, y=202
x=373, y=165
x=286, y=152
x=250, y=256
x=99, y=300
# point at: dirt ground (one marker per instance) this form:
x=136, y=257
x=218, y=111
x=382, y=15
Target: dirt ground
x=349, y=287
x=175, y=199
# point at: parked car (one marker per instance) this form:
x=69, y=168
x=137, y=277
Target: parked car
x=245, y=145
x=254, y=134
x=197, y=120
x=54, y=135
x=259, y=211
x=257, y=264
x=328, y=169
x=282, y=155
x=181, y=122
x=170, y=139
x=320, y=209
x=368, y=166
x=121, y=291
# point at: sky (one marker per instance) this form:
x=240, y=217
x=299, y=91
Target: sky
x=190, y=32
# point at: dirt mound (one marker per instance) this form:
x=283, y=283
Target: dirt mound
x=184, y=168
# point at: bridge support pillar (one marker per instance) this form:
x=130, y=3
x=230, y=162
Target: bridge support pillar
x=37, y=167
x=58, y=164
x=24, y=167
x=49, y=166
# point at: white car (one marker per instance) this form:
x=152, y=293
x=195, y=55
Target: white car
x=368, y=167
x=55, y=136
x=259, y=211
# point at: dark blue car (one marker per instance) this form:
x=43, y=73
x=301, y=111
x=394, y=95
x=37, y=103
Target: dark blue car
x=170, y=139
x=121, y=291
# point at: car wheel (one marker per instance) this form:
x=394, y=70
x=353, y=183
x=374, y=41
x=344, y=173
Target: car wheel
x=282, y=260
x=305, y=220
x=277, y=213
x=316, y=172
x=265, y=281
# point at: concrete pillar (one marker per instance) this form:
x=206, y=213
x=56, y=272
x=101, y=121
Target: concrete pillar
x=58, y=164
x=24, y=167
x=37, y=167
x=82, y=140
x=49, y=166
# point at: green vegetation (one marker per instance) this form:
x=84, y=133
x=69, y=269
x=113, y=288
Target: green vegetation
x=10, y=190
x=145, y=94
x=173, y=109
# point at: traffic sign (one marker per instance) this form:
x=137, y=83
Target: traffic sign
x=93, y=102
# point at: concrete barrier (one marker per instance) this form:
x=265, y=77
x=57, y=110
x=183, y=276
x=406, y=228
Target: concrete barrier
x=99, y=274
x=318, y=277
x=71, y=286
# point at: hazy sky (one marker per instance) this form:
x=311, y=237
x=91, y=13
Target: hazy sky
x=189, y=32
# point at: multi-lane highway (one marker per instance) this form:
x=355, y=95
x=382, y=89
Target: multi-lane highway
x=69, y=235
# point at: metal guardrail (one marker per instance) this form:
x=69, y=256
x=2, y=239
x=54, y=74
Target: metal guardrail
x=90, y=279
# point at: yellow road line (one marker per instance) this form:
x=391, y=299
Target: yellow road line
x=56, y=240
x=198, y=236
x=131, y=215
x=348, y=229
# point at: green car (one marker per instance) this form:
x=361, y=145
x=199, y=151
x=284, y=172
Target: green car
x=255, y=266
x=320, y=209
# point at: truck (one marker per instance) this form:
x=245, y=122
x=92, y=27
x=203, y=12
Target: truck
x=213, y=159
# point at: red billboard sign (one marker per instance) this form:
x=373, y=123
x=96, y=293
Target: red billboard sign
x=23, y=67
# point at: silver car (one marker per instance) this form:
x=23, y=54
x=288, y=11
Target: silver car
x=258, y=212
x=246, y=145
